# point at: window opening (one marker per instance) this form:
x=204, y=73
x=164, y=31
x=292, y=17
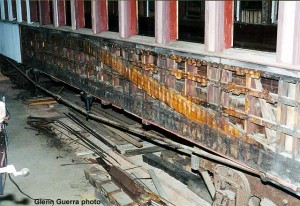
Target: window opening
x=146, y=18
x=255, y=25
x=68, y=12
x=191, y=17
x=88, y=14
x=113, y=15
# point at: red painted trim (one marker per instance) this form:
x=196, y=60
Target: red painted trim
x=44, y=12
x=34, y=11
x=173, y=20
x=24, y=12
x=80, y=20
x=61, y=12
x=133, y=18
x=228, y=24
x=99, y=17
x=165, y=31
x=127, y=18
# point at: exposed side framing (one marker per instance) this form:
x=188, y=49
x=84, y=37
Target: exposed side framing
x=226, y=108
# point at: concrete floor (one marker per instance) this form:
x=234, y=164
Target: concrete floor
x=47, y=179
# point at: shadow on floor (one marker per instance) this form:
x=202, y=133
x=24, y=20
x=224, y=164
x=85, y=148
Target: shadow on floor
x=12, y=198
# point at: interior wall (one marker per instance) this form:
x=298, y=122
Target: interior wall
x=10, y=41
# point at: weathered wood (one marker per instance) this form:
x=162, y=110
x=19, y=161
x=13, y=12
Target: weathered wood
x=195, y=183
x=267, y=113
x=157, y=184
x=123, y=180
x=144, y=181
x=210, y=186
x=125, y=136
x=102, y=137
x=134, y=152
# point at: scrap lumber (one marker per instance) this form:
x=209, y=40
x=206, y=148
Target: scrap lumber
x=157, y=184
x=40, y=101
x=112, y=131
x=194, y=183
x=134, y=152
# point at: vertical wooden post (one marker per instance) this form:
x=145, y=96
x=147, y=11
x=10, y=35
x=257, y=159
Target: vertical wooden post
x=127, y=18
x=10, y=12
x=73, y=14
x=288, y=42
x=99, y=16
x=62, y=12
x=33, y=10
x=2, y=9
x=19, y=10
x=44, y=12
x=24, y=12
x=165, y=21
x=80, y=20
x=218, y=25
x=228, y=23
x=55, y=13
